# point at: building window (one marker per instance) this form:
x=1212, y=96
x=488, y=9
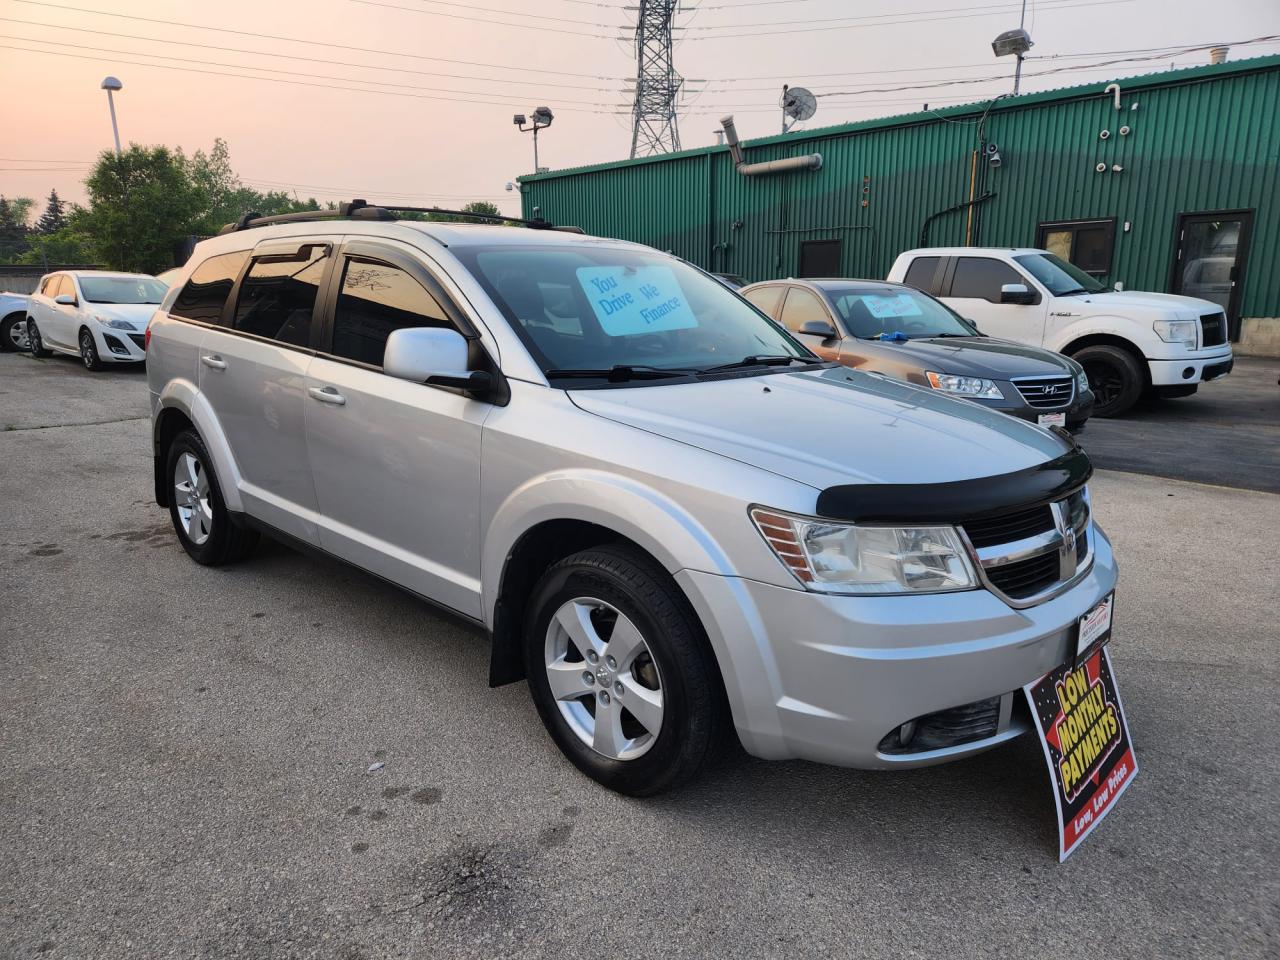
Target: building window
x=1089, y=244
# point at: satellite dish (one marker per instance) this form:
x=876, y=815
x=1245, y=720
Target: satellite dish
x=798, y=104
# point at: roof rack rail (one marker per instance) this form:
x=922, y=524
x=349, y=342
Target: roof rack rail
x=363, y=210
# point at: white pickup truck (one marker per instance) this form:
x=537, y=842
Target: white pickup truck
x=1129, y=343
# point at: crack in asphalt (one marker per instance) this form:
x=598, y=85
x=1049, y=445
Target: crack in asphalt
x=10, y=428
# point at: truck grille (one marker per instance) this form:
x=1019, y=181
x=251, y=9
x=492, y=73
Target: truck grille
x=1213, y=329
x=1010, y=527
x=1026, y=578
x=1047, y=392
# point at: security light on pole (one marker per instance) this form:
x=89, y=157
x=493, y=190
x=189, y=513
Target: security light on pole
x=1015, y=43
x=542, y=117
x=111, y=84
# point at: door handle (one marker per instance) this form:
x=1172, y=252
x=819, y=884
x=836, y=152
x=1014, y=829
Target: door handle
x=214, y=361
x=327, y=395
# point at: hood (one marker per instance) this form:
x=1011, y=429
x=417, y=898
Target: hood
x=829, y=427
x=136, y=313
x=1128, y=301
x=970, y=357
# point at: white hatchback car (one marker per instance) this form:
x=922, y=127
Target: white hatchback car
x=99, y=317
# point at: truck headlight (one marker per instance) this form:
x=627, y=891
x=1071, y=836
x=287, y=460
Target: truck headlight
x=847, y=558
x=964, y=386
x=1177, y=331
x=114, y=322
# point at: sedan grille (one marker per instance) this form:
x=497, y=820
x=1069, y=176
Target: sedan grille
x=1047, y=392
x=1213, y=329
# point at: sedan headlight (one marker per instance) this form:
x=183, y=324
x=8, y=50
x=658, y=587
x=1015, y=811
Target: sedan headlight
x=1177, y=331
x=114, y=322
x=847, y=558
x=1082, y=382
x=964, y=386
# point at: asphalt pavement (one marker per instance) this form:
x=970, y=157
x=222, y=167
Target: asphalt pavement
x=288, y=758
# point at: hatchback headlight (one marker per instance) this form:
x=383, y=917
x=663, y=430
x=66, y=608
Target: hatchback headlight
x=114, y=322
x=847, y=558
x=964, y=386
x=1177, y=331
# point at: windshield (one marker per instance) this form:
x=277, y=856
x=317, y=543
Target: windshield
x=1062, y=278
x=122, y=289
x=873, y=312
x=596, y=307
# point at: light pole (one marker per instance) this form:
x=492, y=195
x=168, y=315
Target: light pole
x=542, y=117
x=111, y=84
x=1016, y=42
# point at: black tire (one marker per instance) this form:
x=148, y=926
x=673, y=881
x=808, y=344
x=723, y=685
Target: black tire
x=89, y=351
x=694, y=719
x=9, y=328
x=35, y=343
x=1115, y=378
x=227, y=542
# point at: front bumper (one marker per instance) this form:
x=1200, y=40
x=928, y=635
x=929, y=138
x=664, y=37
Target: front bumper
x=1198, y=369
x=825, y=678
x=120, y=346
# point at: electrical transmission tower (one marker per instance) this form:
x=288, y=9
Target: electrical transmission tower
x=653, y=116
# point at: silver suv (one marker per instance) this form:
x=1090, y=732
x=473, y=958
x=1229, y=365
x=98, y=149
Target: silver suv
x=668, y=514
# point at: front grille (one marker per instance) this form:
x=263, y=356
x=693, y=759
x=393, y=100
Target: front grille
x=946, y=728
x=1213, y=329
x=139, y=340
x=1010, y=526
x=1047, y=392
x=1026, y=578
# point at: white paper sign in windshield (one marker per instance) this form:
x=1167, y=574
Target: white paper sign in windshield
x=899, y=305
x=631, y=300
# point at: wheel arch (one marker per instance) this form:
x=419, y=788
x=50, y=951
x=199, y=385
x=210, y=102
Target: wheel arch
x=181, y=406
x=1110, y=340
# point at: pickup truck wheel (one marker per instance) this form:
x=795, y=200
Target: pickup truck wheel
x=199, y=516
x=1114, y=377
x=34, y=341
x=13, y=333
x=620, y=673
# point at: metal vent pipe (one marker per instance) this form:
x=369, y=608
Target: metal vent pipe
x=812, y=161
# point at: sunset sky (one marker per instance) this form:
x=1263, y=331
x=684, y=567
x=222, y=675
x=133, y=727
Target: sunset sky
x=411, y=100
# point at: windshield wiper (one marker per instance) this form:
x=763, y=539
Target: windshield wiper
x=939, y=336
x=757, y=361
x=1072, y=293
x=618, y=373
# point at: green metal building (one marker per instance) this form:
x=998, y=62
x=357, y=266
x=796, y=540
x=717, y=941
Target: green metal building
x=1165, y=182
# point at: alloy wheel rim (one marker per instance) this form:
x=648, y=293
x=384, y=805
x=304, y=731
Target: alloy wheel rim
x=604, y=678
x=33, y=336
x=1105, y=382
x=191, y=497
x=18, y=336
x=86, y=348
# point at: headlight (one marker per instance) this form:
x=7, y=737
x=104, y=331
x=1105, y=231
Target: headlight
x=846, y=558
x=1082, y=382
x=114, y=322
x=964, y=386
x=1177, y=331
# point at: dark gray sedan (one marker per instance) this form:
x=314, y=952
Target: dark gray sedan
x=899, y=332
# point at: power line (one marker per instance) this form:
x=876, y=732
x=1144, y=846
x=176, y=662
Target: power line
x=294, y=73
x=293, y=56
x=382, y=52
x=988, y=8
x=510, y=13
x=492, y=23
x=243, y=76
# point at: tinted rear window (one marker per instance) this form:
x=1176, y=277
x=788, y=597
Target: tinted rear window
x=206, y=292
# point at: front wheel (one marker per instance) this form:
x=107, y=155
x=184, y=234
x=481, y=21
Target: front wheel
x=89, y=351
x=34, y=341
x=13, y=333
x=1114, y=377
x=621, y=673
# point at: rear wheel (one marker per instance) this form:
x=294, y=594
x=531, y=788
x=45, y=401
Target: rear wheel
x=13, y=333
x=34, y=341
x=199, y=516
x=620, y=672
x=1114, y=377
x=89, y=351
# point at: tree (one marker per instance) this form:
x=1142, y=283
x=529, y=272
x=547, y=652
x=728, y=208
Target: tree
x=142, y=203
x=13, y=227
x=54, y=217
x=224, y=198
x=475, y=206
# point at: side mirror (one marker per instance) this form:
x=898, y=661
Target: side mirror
x=432, y=355
x=65, y=300
x=818, y=328
x=1016, y=293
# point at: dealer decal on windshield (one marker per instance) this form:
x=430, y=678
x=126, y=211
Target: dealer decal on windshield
x=631, y=300
x=898, y=305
